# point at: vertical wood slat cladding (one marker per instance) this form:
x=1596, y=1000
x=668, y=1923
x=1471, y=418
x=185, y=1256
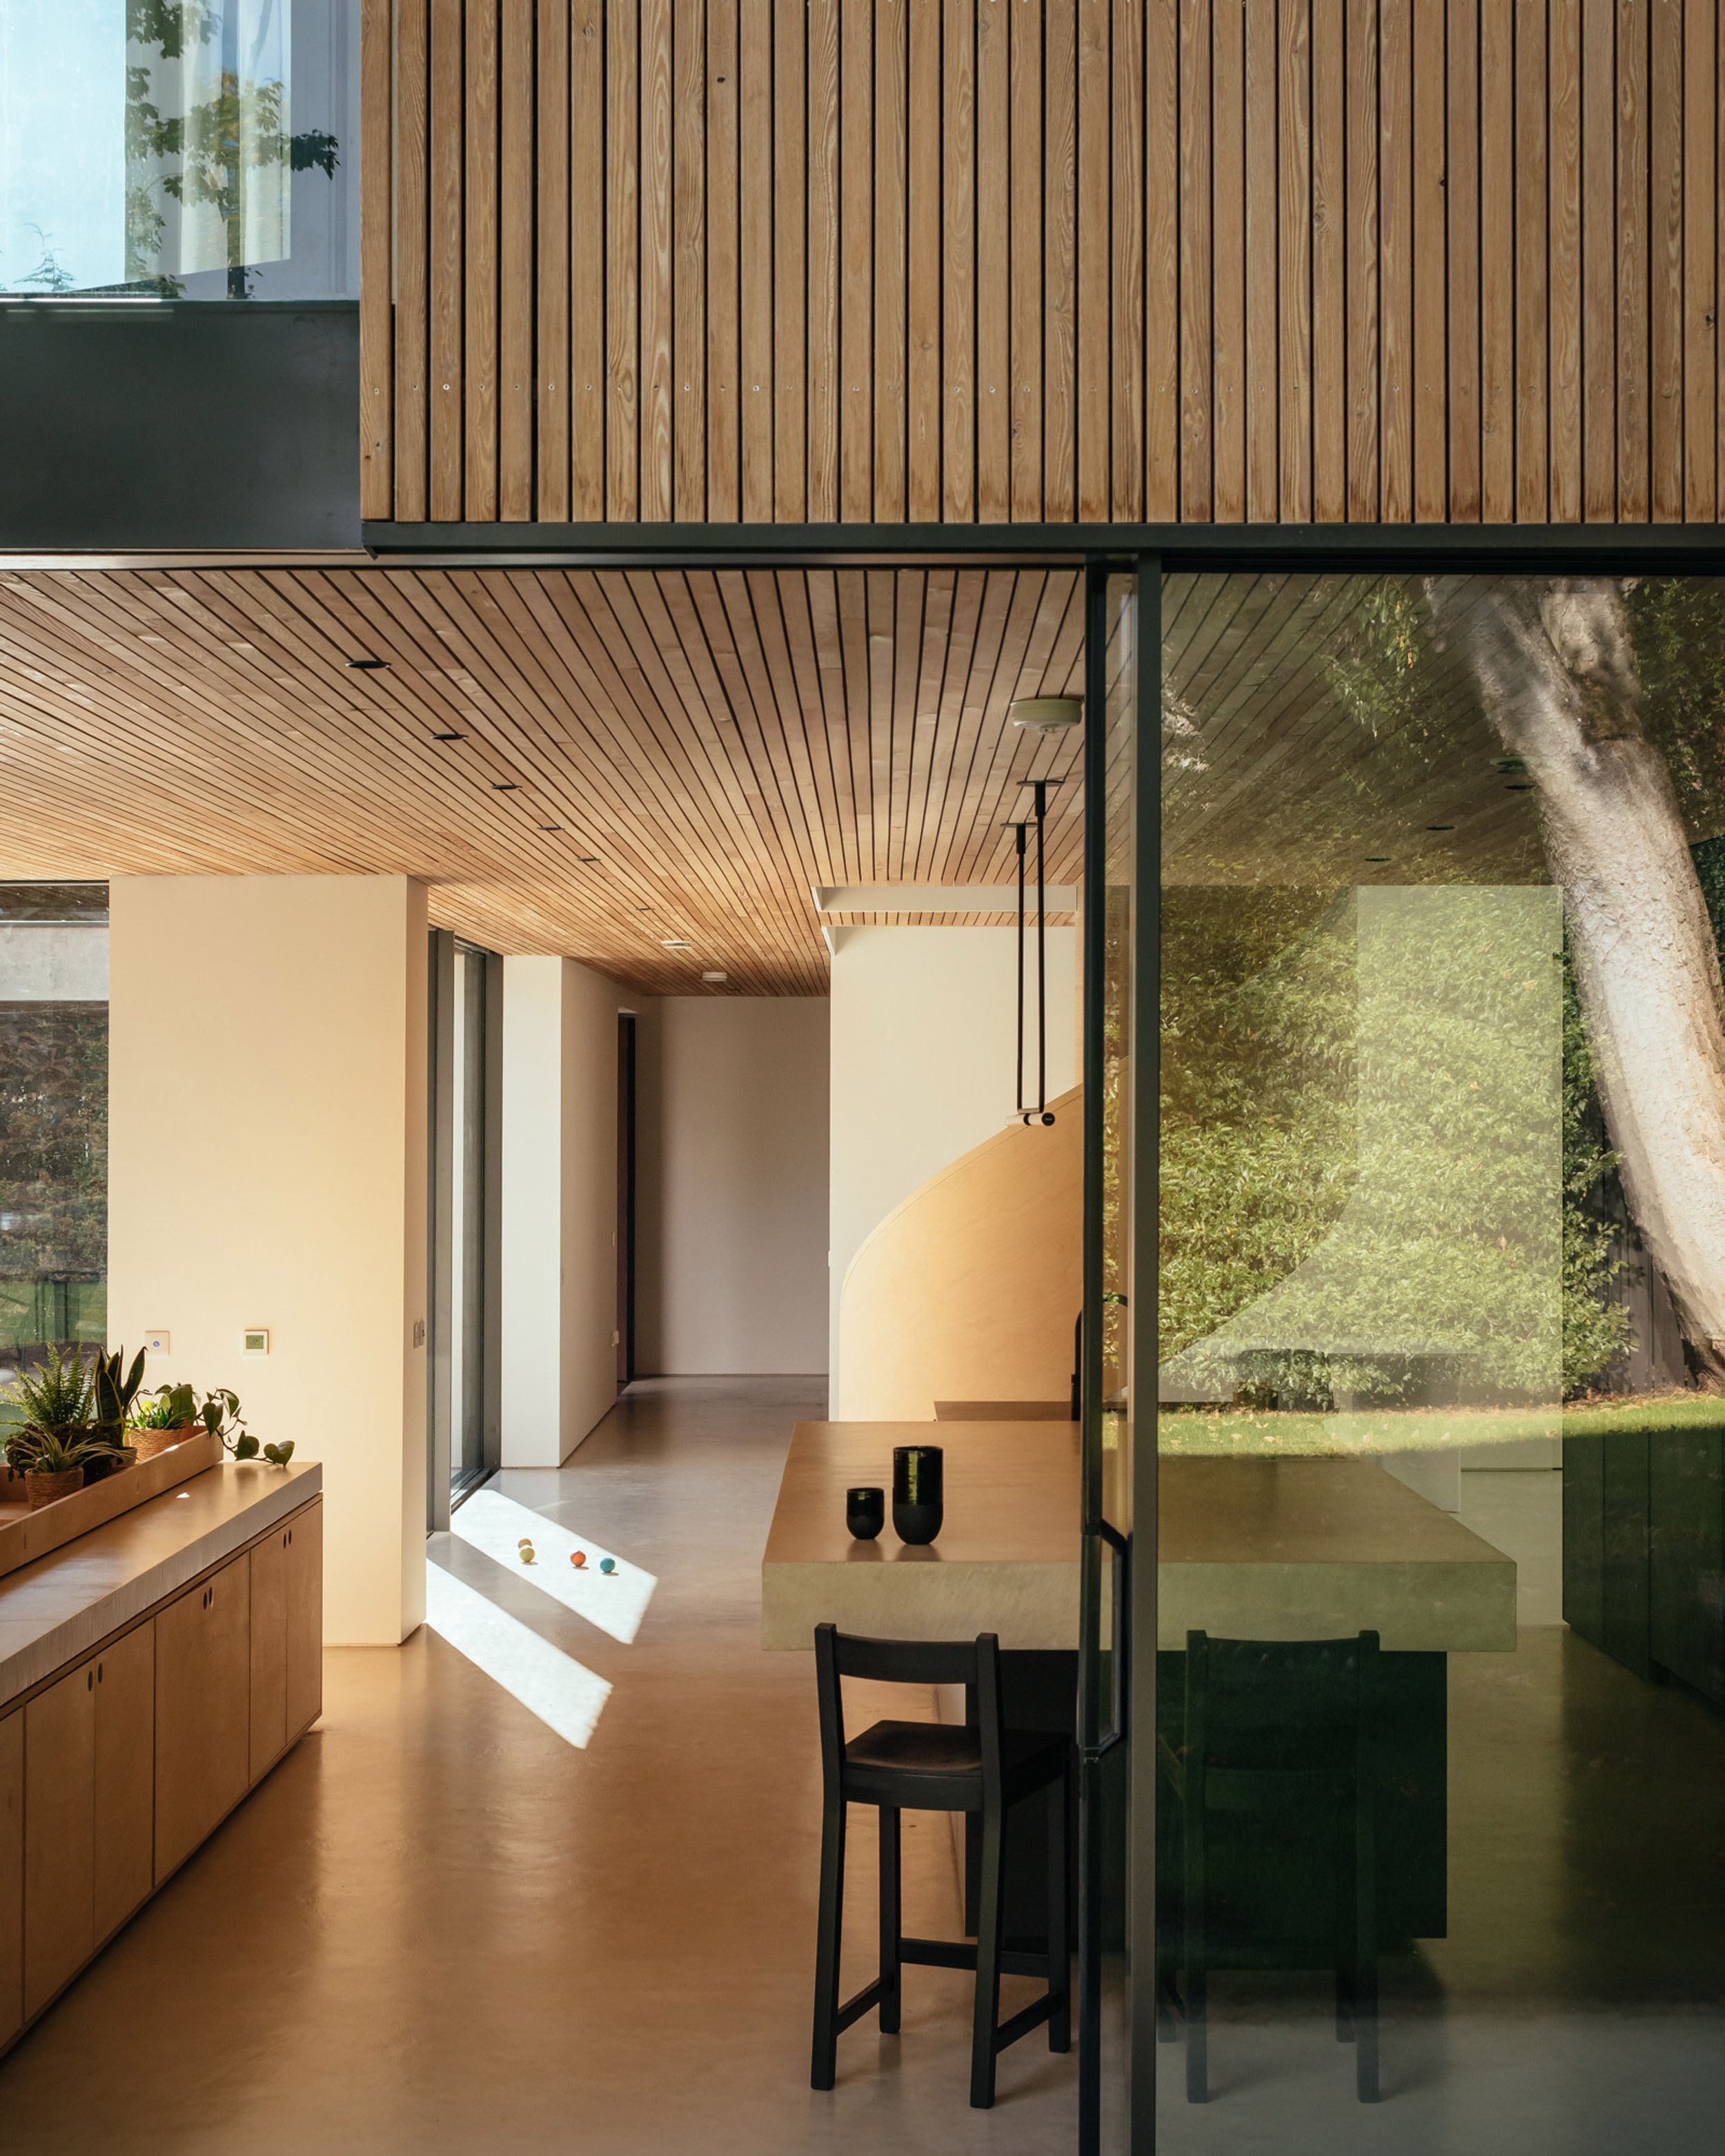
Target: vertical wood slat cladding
x=1324, y=260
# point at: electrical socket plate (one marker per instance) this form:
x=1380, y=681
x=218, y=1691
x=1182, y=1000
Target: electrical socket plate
x=158, y=1340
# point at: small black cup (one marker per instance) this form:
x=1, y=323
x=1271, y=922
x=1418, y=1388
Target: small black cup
x=918, y=1472
x=865, y=1512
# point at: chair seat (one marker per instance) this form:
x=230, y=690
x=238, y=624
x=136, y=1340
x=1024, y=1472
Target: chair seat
x=938, y=1765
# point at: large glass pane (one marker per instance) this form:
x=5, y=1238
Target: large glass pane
x=1442, y=1225
x=54, y=1116
x=179, y=149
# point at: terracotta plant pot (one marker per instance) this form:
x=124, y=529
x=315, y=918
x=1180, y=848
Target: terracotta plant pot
x=44, y=1489
x=148, y=1443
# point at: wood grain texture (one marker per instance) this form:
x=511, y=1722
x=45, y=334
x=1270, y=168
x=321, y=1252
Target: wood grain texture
x=1428, y=360
x=448, y=251
x=412, y=239
x=688, y=755
x=1462, y=192
x=1666, y=297
x=1564, y=243
x=570, y=238
x=724, y=351
x=994, y=264
x=1364, y=353
x=1700, y=269
x=1262, y=188
x=958, y=74
x=1294, y=238
x=892, y=260
x=657, y=262
x=377, y=408
x=475, y=418
x=515, y=253
x=981, y=260
x=1060, y=261
x=689, y=259
x=1329, y=260
x=1395, y=260
x=790, y=245
x=755, y=221
x=1162, y=260
x=856, y=295
x=1497, y=328
x=1197, y=452
x=1228, y=246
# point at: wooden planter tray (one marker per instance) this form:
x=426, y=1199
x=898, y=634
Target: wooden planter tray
x=25, y=1536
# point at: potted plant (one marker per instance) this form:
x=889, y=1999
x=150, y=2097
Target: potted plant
x=173, y=1413
x=55, y=1466
x=113, y=1390
x=56, y=1402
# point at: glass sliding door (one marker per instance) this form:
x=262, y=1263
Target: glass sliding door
x=463, y=1409
x=1441, y=1456
x=1115, y=1930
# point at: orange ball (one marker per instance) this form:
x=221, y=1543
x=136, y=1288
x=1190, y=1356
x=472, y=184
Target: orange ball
x=578, y=1558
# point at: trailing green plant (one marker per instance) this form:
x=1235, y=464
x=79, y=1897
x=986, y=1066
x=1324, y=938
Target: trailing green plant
x=177, y=1407
x=278, y=1456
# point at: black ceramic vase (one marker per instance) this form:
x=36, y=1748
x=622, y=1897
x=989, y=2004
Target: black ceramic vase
x=865, y=1512
x=917, y=1499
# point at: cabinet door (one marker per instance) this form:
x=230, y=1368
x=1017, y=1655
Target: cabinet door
x=304, y=1619
x=12, y=1876
x=203, y=1709
x=125, y=1778
x=59, y=1835
x=269, y=1651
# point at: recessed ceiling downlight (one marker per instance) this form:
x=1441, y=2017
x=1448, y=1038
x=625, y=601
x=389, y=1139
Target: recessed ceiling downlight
x=1046, y=715
x=715, y=976
x=676, y=943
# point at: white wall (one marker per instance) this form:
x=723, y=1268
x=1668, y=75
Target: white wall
x=266, y=1095
x=730, y=1272
x=559, y=1206
x=923, y=1029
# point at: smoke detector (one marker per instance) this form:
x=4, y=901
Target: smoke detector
x=1046, y=715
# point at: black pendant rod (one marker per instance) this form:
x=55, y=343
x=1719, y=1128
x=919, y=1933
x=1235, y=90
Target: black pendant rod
x=1018, y=834
x=1041, y=976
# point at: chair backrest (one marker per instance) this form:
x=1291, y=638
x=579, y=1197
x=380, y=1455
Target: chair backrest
x=975, y=1662
x=1252, y=1700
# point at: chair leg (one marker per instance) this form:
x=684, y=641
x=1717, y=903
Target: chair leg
x=890, y=1927
x=987, y=2016
x=1347, y=1932
x=1197, y=1972
x=1059, y=1943
x=825, y=2068
x=1365, y=1950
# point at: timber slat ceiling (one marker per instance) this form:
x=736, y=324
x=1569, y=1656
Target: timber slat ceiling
x=637, y=757
x=876, y=260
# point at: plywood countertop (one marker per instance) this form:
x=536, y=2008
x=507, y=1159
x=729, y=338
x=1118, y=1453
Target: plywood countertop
x=58, y=1608
x=1251, y=1548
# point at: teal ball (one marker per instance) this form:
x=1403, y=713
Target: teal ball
x=607, y=1564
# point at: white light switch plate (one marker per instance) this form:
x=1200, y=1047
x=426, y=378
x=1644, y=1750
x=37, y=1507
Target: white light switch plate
x=157, y=1340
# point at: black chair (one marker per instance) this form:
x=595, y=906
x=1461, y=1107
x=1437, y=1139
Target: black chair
x=924, y=1766
x=1279, y=1737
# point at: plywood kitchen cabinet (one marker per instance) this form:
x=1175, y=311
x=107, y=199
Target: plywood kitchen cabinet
x=115, y=1767
x=59, y=1835
x=125, y=1769
x=202, y=1711
x=12, y=1877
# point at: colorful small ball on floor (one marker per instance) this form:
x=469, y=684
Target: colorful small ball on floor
x=579, y=1559
x=607, y=1564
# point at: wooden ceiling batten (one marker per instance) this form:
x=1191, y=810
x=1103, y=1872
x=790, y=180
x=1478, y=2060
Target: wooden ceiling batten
x=717, y=740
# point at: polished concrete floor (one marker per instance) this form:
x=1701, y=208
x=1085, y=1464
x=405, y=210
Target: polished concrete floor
x=441, y=1927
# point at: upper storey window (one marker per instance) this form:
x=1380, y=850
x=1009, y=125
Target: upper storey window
x=179, y=149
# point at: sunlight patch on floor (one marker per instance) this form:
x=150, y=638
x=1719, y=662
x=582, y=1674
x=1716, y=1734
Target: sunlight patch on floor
x=616, y=1601
x=564, y=1697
